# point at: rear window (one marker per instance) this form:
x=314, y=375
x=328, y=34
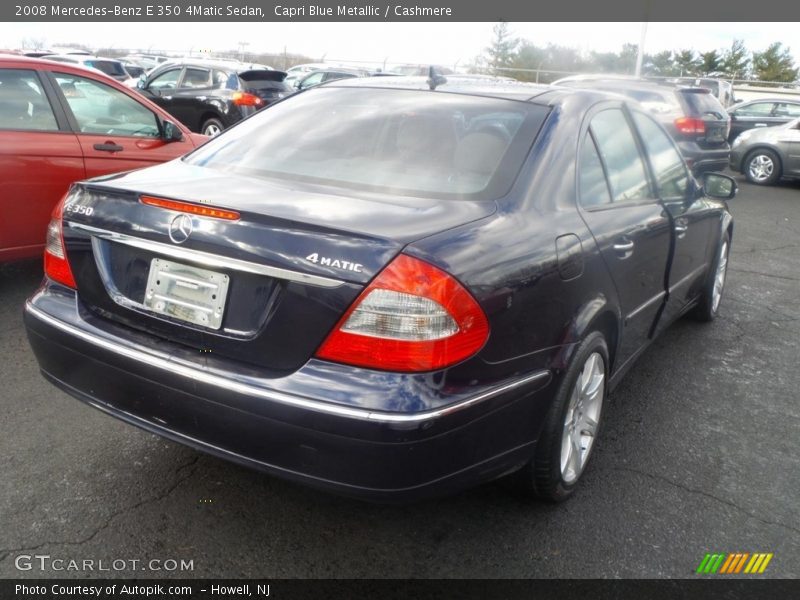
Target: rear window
x=401, y=142
x=655, y=100
x=109, y=67
x=700, y=102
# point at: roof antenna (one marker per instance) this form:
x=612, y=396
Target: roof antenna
x=434, y=78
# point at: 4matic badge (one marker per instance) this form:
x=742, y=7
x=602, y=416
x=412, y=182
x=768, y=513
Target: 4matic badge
x=335, y=263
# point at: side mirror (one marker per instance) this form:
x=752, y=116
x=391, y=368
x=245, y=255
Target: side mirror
x=141, y=82
x=719, y=186
x=171, y=132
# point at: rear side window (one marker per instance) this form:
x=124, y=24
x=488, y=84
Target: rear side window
x=701, y=102
x=592, y=179
x=100, y=109
x=196, y=78
x=399, y=142
x=620, y=155
x=672, y=179
x=23, y=105
x=785, y=109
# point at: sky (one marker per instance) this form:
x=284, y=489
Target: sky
x=442, y=43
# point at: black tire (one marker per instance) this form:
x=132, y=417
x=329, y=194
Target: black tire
x=542, y=476
x=212, y=127
x=769, y=158
x=706, y=311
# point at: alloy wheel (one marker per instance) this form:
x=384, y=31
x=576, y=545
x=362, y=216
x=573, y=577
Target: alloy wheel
x=582, y=417
x=761, y=167
x=211, y=130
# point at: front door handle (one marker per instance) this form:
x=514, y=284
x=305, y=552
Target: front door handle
x=108, y=147
x=681, y=229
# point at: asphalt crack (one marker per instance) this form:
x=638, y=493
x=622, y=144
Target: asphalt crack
x=754, y=250
x=769, y=275
x=191, y=466
x=707, y=495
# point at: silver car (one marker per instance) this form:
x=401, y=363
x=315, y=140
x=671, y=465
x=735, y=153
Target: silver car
x=766, y=155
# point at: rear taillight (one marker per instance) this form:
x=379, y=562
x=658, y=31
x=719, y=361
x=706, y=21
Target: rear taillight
x=412, y=317
x=56, y=265
x=245, y=99
x=690, y=125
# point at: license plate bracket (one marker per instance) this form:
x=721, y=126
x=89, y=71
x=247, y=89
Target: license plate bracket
x=186, y=293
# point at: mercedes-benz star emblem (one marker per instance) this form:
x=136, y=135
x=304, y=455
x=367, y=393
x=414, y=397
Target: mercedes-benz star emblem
x=180, y=229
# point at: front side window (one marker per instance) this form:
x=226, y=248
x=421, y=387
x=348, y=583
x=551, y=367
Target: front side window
x=403, y=142
x=166, y=81
x=620, y=154
x=23, y=105
x=672, y=180
x=313, y=79
x=759, y=109
x=100, y=109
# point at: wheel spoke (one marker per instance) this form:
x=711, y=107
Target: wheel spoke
x=573, y=402
x=596, y=382
x=575, y=458
x=589, y=426
x=587, y=373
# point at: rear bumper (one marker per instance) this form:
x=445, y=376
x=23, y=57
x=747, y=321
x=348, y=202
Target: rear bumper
x=376, y=455
x=702, y=160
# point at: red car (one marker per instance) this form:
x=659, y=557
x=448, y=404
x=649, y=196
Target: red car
x=62, y=123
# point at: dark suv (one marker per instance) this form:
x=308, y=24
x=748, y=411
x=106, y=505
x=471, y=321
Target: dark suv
x=209, y=96
x=694, y=116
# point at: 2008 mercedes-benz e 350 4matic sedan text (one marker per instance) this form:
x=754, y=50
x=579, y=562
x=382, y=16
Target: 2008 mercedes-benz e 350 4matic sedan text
x=425, y=289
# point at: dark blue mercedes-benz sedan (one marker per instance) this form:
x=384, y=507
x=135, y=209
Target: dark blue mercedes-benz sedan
x=390, y=288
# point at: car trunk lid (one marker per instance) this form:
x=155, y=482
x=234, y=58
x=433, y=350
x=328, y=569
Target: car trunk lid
x=283, y=272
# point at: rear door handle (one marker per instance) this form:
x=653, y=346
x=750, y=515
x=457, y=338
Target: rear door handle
x=623, y=246
x=108, y=147
x=681, y=229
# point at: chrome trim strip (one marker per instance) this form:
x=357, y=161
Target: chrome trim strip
x=208, y=259
x=659, y=296
x=688, y=277
x=167, y=363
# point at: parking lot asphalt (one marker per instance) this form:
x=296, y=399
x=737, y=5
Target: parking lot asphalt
x=700, y=453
